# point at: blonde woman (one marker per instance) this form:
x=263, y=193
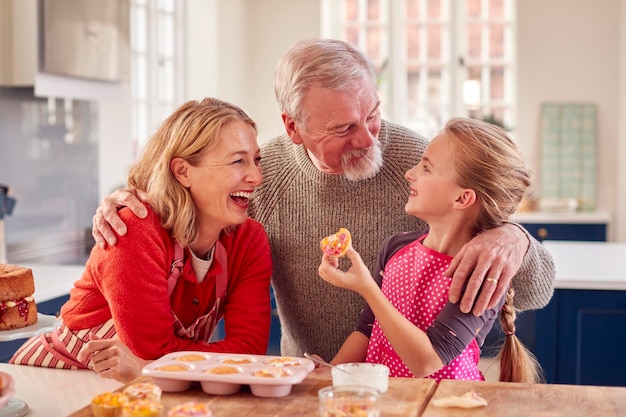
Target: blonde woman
x=195, y=259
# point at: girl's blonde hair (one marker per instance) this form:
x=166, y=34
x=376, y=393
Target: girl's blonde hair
x=487, y=161
x=188, y=133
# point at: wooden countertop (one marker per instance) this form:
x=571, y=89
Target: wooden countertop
x=532, y=400
x=406, y=397
x=409, y=397
x=57, y=392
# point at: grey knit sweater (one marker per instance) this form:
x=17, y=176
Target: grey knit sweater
x=298, y=205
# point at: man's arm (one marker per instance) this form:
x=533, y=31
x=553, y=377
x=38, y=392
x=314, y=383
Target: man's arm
x=494, y=258
x=106, y=218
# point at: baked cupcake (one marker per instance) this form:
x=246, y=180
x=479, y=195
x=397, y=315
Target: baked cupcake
x=143, y=391
x=173, y=368
x=222, y=370
x=108, y=404
x=192, y=357
x=190, y=409
x=142, y=408
x=283, y=361
x=271, y=373
x=237, y=360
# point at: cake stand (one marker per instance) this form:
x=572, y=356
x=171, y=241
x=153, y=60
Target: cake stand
x=15, y=407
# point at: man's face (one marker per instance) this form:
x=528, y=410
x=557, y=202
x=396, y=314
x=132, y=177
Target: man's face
x=341, y=130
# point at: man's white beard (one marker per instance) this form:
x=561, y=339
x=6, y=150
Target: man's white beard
x=363, y=163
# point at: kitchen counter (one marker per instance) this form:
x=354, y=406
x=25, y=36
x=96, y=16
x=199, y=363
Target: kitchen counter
x=573, y=217
x=56, y=393
x=52, y=281
x=589, y=265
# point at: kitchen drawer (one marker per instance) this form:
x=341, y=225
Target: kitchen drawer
x=593, y=232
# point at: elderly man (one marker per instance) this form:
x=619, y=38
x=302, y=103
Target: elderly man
x=340, y=165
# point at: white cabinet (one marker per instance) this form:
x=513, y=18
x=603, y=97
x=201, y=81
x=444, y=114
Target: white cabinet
x=18, y=43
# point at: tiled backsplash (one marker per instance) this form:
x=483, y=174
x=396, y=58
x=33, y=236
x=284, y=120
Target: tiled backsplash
x=49, y=159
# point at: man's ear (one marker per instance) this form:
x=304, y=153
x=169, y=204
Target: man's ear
x=180, y=169
x=466, y=199
x=291, y=129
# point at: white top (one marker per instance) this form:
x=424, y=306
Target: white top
x=589, y=265
x=56, y=392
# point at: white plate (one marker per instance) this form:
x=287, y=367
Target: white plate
x=45, y=323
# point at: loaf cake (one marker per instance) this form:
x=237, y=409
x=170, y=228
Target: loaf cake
x=17, y=305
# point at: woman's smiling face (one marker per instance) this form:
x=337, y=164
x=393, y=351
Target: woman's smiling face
x=221, y=184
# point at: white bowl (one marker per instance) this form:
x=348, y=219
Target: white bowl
x=363, y=374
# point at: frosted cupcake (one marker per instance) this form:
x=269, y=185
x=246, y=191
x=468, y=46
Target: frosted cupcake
x=283, y=361
x=190, y=409
x=142, y=408
x=143, y=391
x=108, y=404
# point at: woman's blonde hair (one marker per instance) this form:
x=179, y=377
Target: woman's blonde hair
x=487, y=161
x=327, y=63
x=188, y=133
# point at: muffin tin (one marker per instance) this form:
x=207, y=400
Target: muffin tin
x=225, y=373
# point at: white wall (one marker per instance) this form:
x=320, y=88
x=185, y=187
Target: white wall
x=620, y=209
x=253, y=35
x=115, y=144
x=568, y=50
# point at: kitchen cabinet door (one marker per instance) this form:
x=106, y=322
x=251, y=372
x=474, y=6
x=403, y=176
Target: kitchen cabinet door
x=591, y=339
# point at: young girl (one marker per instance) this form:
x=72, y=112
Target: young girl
x=471, y=178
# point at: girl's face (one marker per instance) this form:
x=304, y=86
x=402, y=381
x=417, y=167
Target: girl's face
x=221, y=185
x=432, y=185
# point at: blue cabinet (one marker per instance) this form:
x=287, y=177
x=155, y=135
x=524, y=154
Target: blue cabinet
x=590, y=232
x=578, y=337
x=50, y=307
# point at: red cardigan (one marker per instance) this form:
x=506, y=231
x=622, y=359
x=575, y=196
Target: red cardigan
x=128, y=282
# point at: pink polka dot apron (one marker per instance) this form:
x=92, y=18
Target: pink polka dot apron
x=414, y=282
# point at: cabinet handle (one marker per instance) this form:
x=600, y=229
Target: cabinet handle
x=542, y=233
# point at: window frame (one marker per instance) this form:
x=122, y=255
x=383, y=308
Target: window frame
x=158, y=87
x=455, y=61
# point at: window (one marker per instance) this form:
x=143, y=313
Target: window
x=157, y=54
x=435, y=59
